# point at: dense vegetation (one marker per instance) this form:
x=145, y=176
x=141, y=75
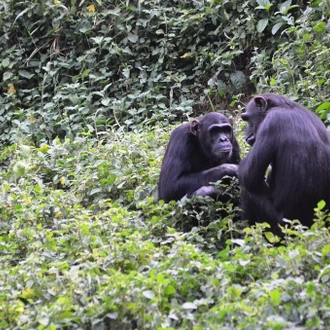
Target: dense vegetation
x=90, y=92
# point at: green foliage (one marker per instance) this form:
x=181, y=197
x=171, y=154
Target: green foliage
x=85, y=244
x=86, y=90
x=300, y=66
x=277, y=19
x=72, y=68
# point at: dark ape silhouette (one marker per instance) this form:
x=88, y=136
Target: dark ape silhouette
x=296, y=144
x=198, y=153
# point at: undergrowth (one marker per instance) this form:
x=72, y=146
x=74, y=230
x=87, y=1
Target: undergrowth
x=86, y=245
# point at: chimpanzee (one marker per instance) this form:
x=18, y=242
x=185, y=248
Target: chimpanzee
x=198, y=153
x=296, y=145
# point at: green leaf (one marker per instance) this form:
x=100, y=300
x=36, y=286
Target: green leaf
x=26, y=151
x=270, y=237
x=5, y=62
x=275, y=297
x=244, y=262
x=7, y=75
x=21, y=14
x=169, y=290
x=25, y=74
x=98, y=40
x=276, y=27
x=132, y=37
x=323, y=106
x=43, y=148
x=238, y=241
x=319, y=27
x=238, y=79
x=86, y=26
x=262, y=24
x=326, y=250
x=189, y=305
x=106, y=101
x=95, y=191
x=293, y=254
x=112, y=316
x=19, y=168
x=85, y=73
x=44, y=321
x=310, y=289
x=283, y=7
x=149, y=294
x=263, y=3
x=321, y=205
x=111, y=179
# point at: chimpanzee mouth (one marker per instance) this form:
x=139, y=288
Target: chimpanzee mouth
x=223, y=151
x=250, y=139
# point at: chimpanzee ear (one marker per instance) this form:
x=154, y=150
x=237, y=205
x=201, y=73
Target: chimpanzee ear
x=261, y=103
x=231, y=122
x=194, y=126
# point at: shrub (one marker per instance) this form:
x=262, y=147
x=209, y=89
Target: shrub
x=72, y=69
x=299, y=66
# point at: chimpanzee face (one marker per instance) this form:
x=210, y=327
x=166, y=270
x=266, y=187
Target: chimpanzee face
x=215, y=135
x=220, y=137
x=254, y=115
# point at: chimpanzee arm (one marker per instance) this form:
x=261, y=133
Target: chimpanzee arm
x=257, y=204
x=192, y=182
x=252, y=169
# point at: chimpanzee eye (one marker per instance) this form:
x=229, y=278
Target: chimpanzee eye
x=218, y=129
x=215, y=130
x=227, y=130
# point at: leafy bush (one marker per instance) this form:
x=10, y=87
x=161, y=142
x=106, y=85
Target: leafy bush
x=300, y=66
x=84, y=244
x=70, y=68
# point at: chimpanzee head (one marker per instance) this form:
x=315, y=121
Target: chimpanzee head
x=215, y=135
x=255, y=113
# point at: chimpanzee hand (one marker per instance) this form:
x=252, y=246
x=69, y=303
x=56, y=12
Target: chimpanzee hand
x=230, y=169
x=222, y=170
x=204, y=191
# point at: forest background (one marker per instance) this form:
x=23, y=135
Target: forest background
x=90, y=91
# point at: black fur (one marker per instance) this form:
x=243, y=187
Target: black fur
x=295, y=142
x=198, y=153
